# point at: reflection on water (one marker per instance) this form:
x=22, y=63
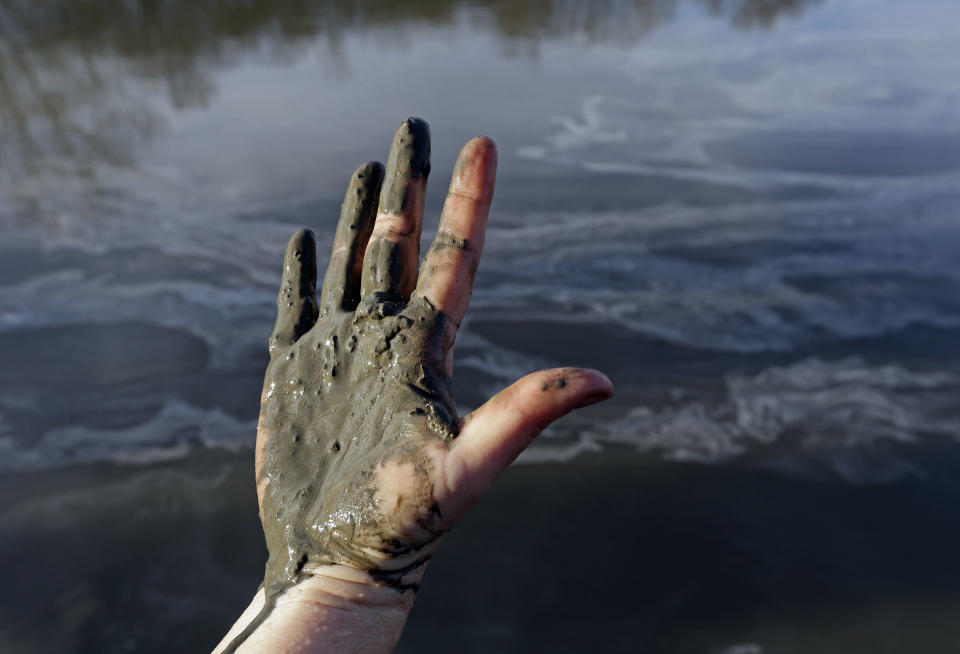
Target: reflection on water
x=72, y=75
x=744, y=211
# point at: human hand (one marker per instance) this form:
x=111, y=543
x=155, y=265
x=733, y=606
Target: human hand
x=361, y=463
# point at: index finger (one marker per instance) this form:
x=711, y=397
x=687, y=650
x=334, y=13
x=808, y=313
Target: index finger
x=448, y=270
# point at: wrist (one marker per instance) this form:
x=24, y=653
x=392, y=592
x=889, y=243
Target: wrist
x=346, y=588
x=335, y=608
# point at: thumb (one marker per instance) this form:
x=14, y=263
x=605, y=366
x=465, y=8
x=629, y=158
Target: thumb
x=497, y=432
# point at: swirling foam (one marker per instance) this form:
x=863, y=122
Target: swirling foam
x=839, y=416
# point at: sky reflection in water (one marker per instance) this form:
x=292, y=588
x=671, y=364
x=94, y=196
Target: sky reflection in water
x=745, y=211
x=775, y=190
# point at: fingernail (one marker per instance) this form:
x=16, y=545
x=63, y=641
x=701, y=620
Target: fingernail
x=600, y=389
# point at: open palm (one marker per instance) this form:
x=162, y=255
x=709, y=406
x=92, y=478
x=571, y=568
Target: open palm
x=361, y=458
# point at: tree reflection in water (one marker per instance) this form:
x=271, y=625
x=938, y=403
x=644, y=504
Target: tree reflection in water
x=77, y=76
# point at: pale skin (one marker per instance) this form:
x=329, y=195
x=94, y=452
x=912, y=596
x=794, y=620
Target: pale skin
x=353, y=594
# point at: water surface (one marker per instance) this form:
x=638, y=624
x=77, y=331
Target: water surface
x=747, y=213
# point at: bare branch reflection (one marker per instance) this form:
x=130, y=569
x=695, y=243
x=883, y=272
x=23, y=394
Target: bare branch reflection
x=79, y=80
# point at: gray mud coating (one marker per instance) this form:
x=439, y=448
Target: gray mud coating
x=409, y=159
x=390, y=265
x=341, y=284
x=297, y=301
x=557, y=383
x=354, y=390
x=359, y=391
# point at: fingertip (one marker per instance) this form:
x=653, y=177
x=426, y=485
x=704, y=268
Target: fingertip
x=481, y=150
x=414, y=123
x=414, y=129
x=302, y=234
x=302, y=241
x=599, y=383
x=576, y=379
x=475, y=171
x=410, y=151
x=594, y=397
x=482, y=143
x=576, y=387
x=369, y=169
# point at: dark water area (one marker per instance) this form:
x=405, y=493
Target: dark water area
x=746, y=212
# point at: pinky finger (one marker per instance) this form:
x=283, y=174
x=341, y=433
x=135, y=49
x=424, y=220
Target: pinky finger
x=297, y=300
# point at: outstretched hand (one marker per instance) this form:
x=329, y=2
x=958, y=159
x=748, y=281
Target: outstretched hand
x=362, y=463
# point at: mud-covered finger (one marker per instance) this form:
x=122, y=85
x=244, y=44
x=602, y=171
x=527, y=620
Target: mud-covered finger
x=390, y=260
x=450, y=267
x=341, y=282
x=297, y=300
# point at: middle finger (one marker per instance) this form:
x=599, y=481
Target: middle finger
x=390, y=262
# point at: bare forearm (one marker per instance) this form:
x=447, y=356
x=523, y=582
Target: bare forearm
x=339, y=610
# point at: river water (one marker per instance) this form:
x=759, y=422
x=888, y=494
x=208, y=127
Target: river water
x=746, y=212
